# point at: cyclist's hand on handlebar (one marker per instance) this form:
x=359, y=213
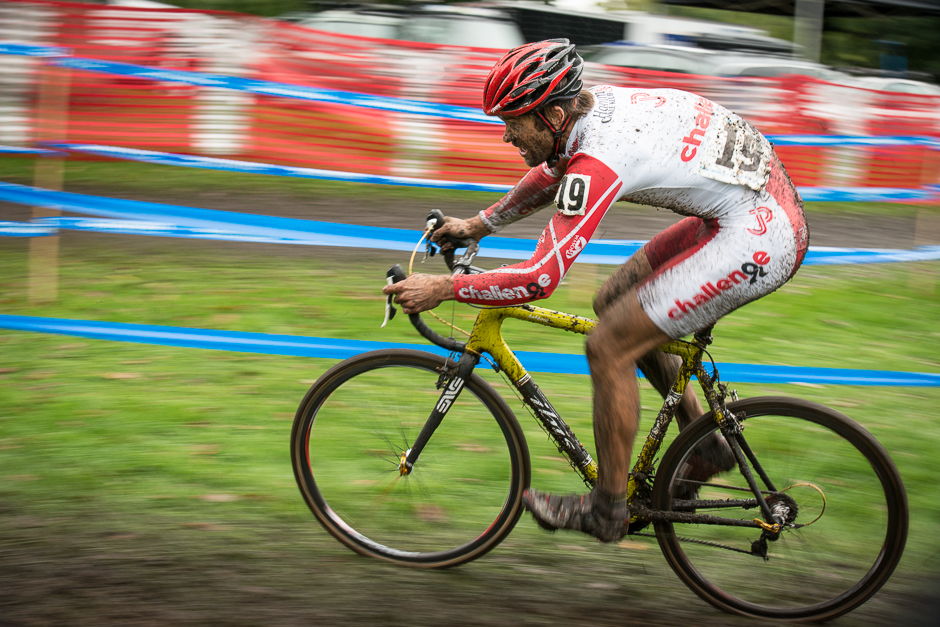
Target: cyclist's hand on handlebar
x=459, y=229
x=421, y=292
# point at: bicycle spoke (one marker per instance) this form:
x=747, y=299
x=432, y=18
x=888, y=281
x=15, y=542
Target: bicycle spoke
x=350, y=442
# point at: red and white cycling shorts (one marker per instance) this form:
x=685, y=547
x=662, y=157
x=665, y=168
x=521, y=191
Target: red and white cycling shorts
x=704, y=269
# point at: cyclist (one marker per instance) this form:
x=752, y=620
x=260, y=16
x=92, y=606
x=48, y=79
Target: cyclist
x=744, y=236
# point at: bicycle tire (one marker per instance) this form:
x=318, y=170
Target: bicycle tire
x=814, y=573
x=464, y=494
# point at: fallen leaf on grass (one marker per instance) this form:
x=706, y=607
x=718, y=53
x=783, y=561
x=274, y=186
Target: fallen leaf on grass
x=121, y=536
x=39, y=375
x=844, y=404
x=473, y=448
x=204, y=449
x=203, y=526
x=431, y=513
x=218, y=498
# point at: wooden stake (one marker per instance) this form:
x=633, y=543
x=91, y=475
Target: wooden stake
x=926, y=233
x=51, y=117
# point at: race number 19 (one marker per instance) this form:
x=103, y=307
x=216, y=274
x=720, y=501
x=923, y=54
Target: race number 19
x=573, y=194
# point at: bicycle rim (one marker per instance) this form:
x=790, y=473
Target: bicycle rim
x=463, y=495
x=834, y=471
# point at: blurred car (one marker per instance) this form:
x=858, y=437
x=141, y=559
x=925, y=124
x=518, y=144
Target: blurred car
x=897, y=85
x=445, y=25
x=376, y=23
x=704, y=62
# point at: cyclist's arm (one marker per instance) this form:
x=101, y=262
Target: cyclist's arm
x=535, y=191
x=590, y=188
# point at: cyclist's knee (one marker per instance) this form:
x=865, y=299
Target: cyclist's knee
x=623, y=334
x=627, y=277
x=606, y=348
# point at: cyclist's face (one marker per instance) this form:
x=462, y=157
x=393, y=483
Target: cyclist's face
x=534, y=143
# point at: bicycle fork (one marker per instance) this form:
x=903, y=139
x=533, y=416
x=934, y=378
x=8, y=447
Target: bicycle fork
x=451, y=390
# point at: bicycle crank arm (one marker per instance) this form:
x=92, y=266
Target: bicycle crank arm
x=452, y=389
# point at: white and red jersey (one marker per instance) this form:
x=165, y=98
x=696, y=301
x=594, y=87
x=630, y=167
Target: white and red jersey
x=660, y=147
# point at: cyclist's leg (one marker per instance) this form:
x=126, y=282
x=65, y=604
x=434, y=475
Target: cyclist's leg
x=659, y=368
x=623, y=334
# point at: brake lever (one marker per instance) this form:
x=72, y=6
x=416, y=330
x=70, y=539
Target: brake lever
x=462, y=265
x=430, y=250
x=394, y=275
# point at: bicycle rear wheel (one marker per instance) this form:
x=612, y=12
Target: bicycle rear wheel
x=817, y=571
x=464, y=494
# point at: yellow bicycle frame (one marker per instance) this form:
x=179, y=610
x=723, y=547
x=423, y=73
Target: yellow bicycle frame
x=487, y=337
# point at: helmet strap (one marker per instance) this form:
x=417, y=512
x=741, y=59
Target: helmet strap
x=556, y=133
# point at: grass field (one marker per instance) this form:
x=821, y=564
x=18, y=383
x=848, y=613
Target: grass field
x=151, y=485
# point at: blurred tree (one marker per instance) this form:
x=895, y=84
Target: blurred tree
x=852, y=42
x=861, y=42
x=265, y=8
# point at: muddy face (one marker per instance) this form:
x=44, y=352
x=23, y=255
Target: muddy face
x=535, y=144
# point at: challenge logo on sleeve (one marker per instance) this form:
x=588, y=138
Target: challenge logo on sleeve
x=573, y=194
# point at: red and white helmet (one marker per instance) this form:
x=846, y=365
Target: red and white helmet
x=531, y=76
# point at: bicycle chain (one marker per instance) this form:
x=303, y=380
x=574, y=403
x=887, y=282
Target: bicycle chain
x=704, y=542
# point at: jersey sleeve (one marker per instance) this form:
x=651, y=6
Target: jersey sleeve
x=583, y=196
x=533, y=193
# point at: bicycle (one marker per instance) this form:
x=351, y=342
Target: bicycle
x=809, y=523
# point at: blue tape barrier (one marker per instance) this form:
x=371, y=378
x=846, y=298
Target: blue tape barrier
x=26, y=50
x=854, y=140
x=269, y=88
x=819, y=194
x=60, y=56
x=27, y=229
x=178, y=221
x=329, y=348
x=866, y=194
x=251, y=167
x=145, y=218
x=20, y=150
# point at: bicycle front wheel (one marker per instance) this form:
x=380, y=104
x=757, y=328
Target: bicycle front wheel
x=464, y=494
x=844, y=500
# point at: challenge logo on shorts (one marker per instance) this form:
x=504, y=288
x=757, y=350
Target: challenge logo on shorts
x=749, y=274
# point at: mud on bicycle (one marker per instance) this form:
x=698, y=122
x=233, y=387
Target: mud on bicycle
x=414, y=458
